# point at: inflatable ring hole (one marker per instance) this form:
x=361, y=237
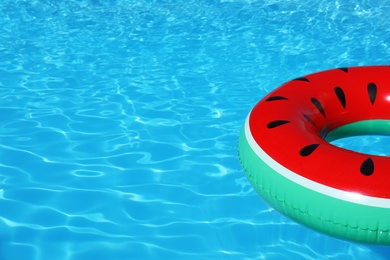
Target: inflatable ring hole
x=367, y=137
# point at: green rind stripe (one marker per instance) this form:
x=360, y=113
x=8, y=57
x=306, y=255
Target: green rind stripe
x=365, y=127
x=324, y=213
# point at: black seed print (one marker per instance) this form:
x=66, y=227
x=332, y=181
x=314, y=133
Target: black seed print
x=308, y=119
x=371, y=88
x=318, y=105
x=307, y=150
x=340, y=95
x=344, y=69
x=277, y=123
x=276, y=98
x=302, y=79
x=367, y=167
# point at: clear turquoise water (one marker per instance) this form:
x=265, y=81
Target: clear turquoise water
x=119, y=122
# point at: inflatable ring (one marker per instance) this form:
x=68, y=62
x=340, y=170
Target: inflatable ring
x=285, y=151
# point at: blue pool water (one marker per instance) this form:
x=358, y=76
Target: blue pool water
x=119, y=121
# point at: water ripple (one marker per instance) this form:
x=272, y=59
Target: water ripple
x=119, y=123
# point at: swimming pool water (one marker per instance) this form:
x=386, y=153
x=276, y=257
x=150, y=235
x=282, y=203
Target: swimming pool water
x=119, y=121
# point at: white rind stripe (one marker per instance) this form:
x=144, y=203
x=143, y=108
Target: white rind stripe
x=315, y=186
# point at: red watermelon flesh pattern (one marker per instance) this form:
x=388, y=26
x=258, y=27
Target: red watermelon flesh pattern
x=291, y=122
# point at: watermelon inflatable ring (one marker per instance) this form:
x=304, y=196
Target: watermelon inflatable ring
x=285, y=151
